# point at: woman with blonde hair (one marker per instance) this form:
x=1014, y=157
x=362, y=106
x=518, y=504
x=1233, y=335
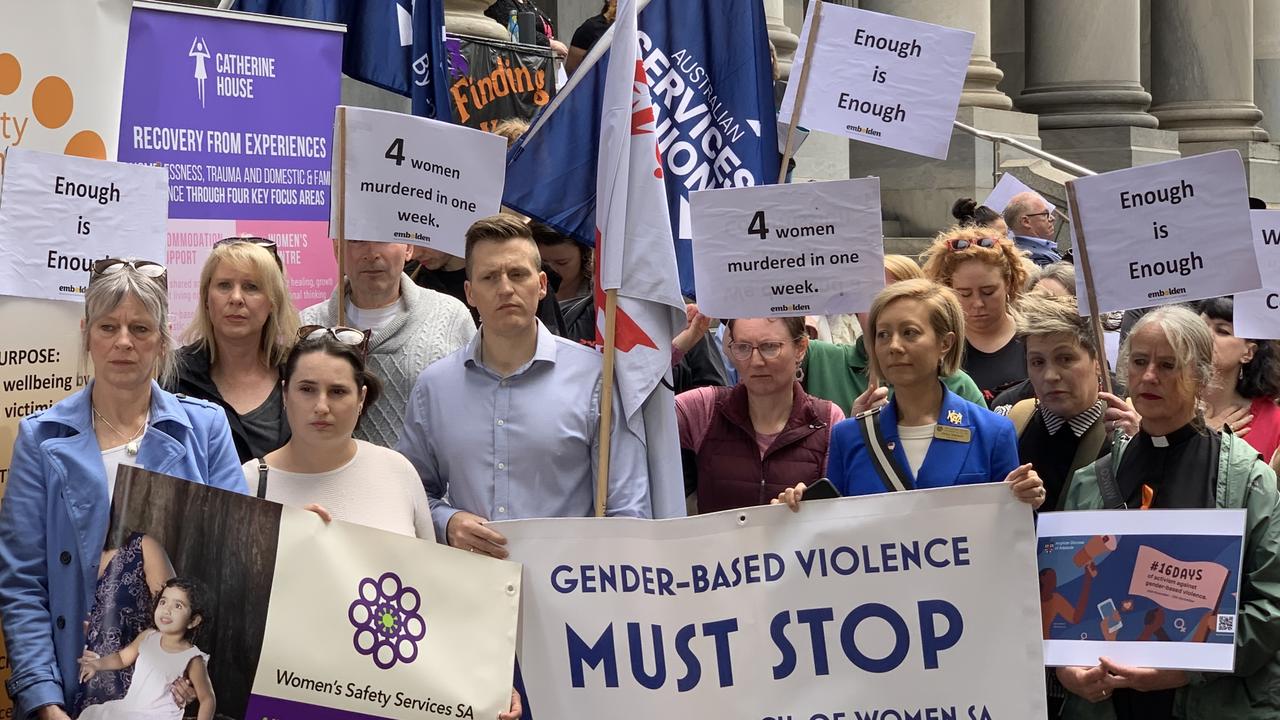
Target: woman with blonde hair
x=987, y=273
x=925, y=436
x=243, y=329
x=839, y=373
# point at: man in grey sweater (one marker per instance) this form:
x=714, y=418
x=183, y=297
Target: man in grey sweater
x=412, y=328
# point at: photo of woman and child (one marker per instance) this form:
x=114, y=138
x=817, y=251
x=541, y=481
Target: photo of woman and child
x=159, y=656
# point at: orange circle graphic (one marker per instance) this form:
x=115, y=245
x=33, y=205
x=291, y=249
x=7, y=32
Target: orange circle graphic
x=87, y=143
x=52, y=102
x=10, y=73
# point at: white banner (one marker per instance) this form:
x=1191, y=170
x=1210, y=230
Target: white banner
x=881, y=79
x=58, y=214
x=911, y=604
x=417, y=181
x=779, y=250
x=1165, y=233
x=1257, y=312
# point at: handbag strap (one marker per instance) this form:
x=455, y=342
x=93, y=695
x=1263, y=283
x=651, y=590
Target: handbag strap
x=262, y=479
x=882, y=459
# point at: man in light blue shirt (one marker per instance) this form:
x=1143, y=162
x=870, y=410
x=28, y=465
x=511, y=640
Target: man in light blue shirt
x=507, y=427
x=1030, y=219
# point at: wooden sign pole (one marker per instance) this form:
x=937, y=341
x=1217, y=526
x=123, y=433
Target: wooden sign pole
x=1090, y=291
x=341, y=215
x=606, y=399
x=804, y=80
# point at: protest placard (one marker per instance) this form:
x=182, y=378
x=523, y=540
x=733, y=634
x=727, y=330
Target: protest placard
x=1004, y=191
x=779, y=250
x=58, y=214
x=1165, y=233
x=885, y=80
x=1257, y=312
x=309, y=619
x=1153, y=589
x=910, y=604
x=239, y=109
x=418, y=181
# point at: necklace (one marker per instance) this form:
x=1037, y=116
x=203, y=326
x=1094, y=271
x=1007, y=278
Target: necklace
x=131, y=443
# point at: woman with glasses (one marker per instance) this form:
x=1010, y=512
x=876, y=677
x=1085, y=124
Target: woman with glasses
x=238, y=341
x=743, y=444
x=926, y=436
x=987, y=273
x=53, y=522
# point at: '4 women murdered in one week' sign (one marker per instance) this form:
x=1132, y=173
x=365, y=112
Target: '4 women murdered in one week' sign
x=1166, y=233
x=779, y=250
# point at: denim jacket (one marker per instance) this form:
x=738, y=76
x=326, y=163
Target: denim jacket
x=53, y=523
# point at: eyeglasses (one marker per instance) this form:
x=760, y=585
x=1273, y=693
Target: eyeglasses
x=1046, y=213
x=265, y=244
x=768, y=350
x=358, y=339
x=963, y=244
x=113, y=266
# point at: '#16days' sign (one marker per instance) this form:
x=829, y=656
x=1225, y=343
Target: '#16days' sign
x=781, y=250
x=1167, y=233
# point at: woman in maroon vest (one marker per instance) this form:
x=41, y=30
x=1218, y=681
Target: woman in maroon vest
x=742, y=445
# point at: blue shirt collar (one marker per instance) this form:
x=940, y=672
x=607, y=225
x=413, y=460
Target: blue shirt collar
x=545, y=351
x=74, y=412
x=1028, y=242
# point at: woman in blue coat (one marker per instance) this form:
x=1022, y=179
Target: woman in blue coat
x=926, y=436
x=53, y=521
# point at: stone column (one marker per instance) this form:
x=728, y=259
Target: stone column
x=973, y=15
x=1084, y=70
x=1266, y=63
x=784, y=41
x=466, y=17
x=1083, y=64
x=1202, y=70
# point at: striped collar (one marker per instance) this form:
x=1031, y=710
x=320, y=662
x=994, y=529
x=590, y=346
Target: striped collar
x=1080, y=424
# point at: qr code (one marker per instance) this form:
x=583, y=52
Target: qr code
x=1226, y=623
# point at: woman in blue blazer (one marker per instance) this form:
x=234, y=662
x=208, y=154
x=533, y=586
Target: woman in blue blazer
x=925, y=436
x=53, y=521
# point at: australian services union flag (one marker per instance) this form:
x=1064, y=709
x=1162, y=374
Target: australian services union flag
x=707, y=66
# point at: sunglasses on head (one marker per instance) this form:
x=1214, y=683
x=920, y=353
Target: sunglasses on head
x=963, y=244
x=358, y=339
x=114, y=266
x=265, y=244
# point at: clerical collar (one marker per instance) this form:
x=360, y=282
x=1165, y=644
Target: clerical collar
x=1177, y=437
x=1079, y=424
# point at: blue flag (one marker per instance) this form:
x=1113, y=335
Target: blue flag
x=378, y=40
x=716, y=120
x=431, y=77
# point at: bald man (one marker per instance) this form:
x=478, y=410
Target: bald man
x=1030, y=219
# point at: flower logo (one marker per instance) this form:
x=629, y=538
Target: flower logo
x=387, y=620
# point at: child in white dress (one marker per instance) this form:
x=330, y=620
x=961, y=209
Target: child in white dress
x=163, y=654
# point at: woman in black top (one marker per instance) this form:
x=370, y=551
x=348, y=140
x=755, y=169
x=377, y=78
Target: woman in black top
x=987, y=273
x=588, y=34
x=243, y=329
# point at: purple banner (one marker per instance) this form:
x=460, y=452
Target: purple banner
x=263, y=706
x=241, y=112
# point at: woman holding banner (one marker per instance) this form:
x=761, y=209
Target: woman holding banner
x=56, y=509
x=743, y=444
x=327, y=389
x=238, y=342
x=988, y=274
x=1175, y=461
x=1246, y=380
x=926, y=436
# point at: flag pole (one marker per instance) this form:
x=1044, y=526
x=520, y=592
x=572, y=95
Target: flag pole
x=804, y=80
x=341, y=201
x=606, y=398
x=1089, y=287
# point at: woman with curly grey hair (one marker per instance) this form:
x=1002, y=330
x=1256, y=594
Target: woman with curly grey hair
x=1176, y=461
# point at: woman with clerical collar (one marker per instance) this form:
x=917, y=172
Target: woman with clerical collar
x=1175, y=461
x=1068, y=423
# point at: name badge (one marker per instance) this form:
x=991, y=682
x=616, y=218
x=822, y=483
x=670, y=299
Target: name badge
x=955, y=434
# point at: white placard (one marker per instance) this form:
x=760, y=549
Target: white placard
x=58, y=214
x=1004, y=191
x=1166, y=233
x=881, y=79
x=782, y=250
x=911, y=604
x=417, y=181
x=1257, y=312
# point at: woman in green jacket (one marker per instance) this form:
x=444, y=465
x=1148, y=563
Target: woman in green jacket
x=1177, y=462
